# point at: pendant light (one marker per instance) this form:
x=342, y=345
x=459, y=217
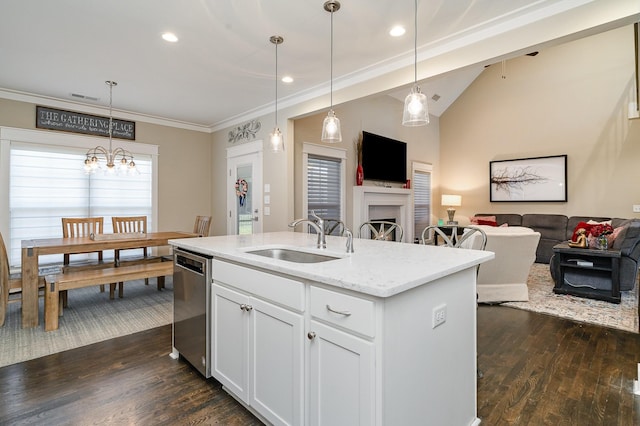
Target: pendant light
x=416, y=112
x=331, y=126
x=117, y=160
x=275, y=137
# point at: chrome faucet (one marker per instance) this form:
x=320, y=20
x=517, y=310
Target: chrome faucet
x=347, y=233
x=318, y=225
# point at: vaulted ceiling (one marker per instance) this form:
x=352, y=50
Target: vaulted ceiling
x=222, y=69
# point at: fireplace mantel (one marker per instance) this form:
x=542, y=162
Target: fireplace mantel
x=365, y=197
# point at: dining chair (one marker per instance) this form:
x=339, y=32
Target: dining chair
x=381, y=230
x=202, y=226
x=10, y=284
x=333, y=227
x=130, y=224
x=81, y=227
x=454, y=236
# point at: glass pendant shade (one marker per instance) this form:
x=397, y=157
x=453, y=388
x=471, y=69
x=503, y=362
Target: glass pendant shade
x=275, y=138
x=331, y=132
x=416, y=112
x=331, y=128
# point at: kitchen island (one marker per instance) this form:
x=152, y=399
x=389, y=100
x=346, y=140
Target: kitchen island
x=385, y=335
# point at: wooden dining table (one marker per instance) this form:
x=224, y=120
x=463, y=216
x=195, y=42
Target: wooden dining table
x=34, y=248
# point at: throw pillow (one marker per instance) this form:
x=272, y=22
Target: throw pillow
x=612, y=237
x=587, y=227
x=484, y=220
x=620, y=234
x=604, y=222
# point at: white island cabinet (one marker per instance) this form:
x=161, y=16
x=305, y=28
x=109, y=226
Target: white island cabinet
x=350, y=341
x=341, y=362
x=257, y=346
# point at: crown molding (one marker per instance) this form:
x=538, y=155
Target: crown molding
x=15, y=95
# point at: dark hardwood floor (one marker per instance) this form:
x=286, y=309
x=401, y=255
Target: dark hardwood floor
x=543, y=370
x=538, y=370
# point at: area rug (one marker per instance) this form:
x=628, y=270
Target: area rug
x=542, y=299
x=91, y=317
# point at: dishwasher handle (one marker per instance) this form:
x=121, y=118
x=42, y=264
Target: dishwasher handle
x=188, y=262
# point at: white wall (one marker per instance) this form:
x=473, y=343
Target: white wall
x=571, y=99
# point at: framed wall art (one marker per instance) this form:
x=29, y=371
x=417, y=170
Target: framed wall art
x=529, y=179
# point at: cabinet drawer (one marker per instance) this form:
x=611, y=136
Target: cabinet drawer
x=349, y=312
x=284, y=291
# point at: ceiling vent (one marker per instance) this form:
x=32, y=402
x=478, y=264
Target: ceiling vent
x=86, y=98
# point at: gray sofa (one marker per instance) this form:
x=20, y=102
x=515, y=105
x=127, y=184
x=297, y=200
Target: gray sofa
x=555, y=229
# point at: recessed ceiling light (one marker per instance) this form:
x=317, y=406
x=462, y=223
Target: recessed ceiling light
x=397, y=31
x=170, y=37
x=287, y=79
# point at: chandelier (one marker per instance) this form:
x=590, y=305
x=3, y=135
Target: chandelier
x=117, y=160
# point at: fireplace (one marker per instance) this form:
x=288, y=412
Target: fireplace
x=379, y=203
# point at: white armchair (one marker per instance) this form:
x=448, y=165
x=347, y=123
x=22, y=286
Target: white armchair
x=504, y=278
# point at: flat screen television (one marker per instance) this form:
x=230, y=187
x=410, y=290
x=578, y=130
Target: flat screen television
x=383, y=159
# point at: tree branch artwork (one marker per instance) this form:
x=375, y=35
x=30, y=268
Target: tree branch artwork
x=509, y=179
x=529, y=179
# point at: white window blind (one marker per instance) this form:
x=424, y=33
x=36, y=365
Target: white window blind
x=47, y=182
x=421, y=200
x=324, y=186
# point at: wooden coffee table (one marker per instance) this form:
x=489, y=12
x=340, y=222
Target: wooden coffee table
x=588, y=262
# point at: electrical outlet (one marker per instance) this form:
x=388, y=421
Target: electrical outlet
x=439, y=315
x=636, y=208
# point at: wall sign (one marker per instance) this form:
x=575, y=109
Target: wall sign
x=76, y=122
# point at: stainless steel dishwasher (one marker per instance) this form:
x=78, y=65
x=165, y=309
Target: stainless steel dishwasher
x=192, y=308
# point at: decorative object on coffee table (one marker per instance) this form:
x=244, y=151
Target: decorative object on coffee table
x=581, y=239
x=599, y=237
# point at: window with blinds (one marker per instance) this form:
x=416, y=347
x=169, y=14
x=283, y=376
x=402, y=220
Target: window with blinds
x=47, y=183
x=421, y=184
x=324, y=186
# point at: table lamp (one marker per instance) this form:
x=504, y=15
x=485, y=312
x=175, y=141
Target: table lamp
x=451, y=201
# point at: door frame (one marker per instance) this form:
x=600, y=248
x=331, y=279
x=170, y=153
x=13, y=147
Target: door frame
x=252, y=152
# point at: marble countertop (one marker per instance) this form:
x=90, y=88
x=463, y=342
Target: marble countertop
x=378, y=268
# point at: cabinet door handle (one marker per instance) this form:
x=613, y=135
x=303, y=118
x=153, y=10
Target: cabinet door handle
x=345, y=313
x=311, y=335
x=248, y=308
x=243, y=307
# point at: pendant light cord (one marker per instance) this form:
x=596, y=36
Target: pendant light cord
x=111, y=84
x=276, y=84
x=415, y=44
x=331, y=71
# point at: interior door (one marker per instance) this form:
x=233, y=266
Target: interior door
x=244, y=186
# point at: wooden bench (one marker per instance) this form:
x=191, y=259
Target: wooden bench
x=55, y=284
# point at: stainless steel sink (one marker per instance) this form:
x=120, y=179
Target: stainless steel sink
x=293, y=255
